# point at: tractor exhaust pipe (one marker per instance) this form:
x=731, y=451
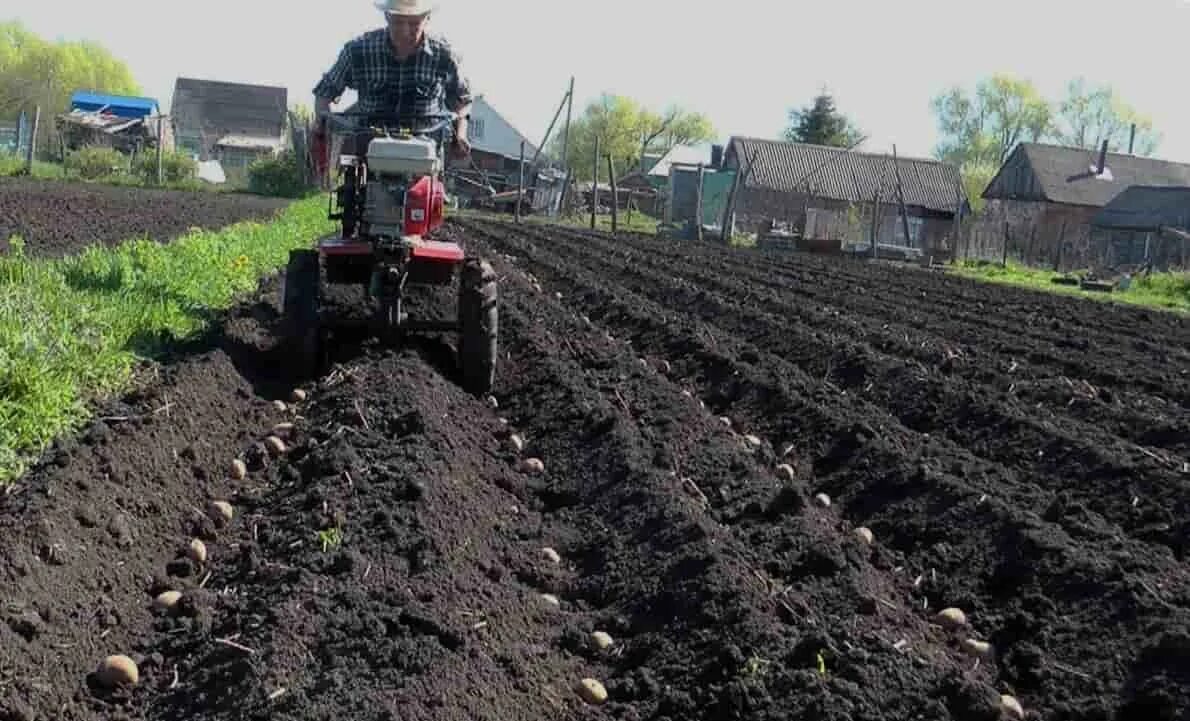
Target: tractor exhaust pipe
x=1102, y=158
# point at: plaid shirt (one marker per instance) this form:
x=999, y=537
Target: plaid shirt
x=429, y=81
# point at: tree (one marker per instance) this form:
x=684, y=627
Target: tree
x=34, y=72
x=984, y=128
x=626, y=130
x=1088, y=116
x=821, y=124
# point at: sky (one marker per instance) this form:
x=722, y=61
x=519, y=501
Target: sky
x=744, y=64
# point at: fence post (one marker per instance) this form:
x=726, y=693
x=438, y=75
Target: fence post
x=520, y=185
x=33, y=140
x=1004, y=260
x=160, y=148
x=595, y=183
x=611, y=179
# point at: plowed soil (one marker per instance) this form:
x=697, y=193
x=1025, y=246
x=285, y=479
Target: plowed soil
x=1018, y=456
x=57, y=218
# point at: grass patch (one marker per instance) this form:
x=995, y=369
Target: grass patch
x=72, y=329
x=1165, y=291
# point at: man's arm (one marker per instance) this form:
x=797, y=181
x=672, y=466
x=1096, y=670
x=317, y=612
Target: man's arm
x=333, y=83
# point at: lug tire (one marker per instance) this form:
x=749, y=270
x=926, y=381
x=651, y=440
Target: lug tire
x=479, y=327
x=301, y=328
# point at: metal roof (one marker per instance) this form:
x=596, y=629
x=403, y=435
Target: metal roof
x=124, y=106
x=836, y=174
x=228, y=107
x=689, y=154
x=1067, y=175
x=1142, y=207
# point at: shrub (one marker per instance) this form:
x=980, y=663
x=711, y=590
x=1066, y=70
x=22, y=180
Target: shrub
x=281, y=176
x=176, y=167
x=93, y=163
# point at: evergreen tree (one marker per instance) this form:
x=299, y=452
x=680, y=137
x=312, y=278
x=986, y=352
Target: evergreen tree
x=821, y=124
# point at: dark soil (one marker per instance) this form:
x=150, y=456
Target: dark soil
x=1017, y=456
x=57, y=218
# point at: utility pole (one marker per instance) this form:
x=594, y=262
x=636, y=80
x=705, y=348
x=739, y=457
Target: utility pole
x=566, y=127
x=611, y=179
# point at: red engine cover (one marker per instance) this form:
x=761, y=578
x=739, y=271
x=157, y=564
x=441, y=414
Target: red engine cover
x=423, y=205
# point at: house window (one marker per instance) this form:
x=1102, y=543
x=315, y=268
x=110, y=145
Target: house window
x=916, y=226
x=476, y=128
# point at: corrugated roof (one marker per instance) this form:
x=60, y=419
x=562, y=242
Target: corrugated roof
x=1143, y=207
x=249, y=141
x=229, y=107
x=852, y=176
x=1066, y=175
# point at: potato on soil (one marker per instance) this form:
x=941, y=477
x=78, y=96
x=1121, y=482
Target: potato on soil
x=823, y=500
x=239, y=469
x=951, y=618
x=753, y=440
x=864, y=534
x=786, y=473
x=118, y=670
x=551, y=555
x=197, y=551
x=592, y=691
x=298, y=395
x=222, y=512
x=531, y=465
x=516, y=443
x=283, y=429
x=280, y=405
x=977, y=648
x=275, y=445
x=167, y=600
x=551, y=599
x=602, y=640
x=1011, y=707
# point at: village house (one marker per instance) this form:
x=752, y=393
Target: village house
x=832, y=194
x=1145, y=225
x=234, y=123
x=1042, y=202
x=126, y=123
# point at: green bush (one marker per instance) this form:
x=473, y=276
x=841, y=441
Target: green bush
x=176, y=167
x=93, y=163
x=281, y=176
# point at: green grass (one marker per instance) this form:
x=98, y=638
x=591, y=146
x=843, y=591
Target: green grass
x=72, y=329
x=1168, y=291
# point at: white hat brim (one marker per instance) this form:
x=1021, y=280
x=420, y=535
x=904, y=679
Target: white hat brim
x=424, y=8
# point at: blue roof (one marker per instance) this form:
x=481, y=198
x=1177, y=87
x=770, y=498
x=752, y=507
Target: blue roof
x=123, y=106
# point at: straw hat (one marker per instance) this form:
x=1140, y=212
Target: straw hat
x=405, y=7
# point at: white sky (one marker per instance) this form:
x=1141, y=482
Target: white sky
x=744, y=63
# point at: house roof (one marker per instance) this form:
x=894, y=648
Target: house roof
x=1066, y=175
x=1145, y=207
x=509, y=144
x=229, y=107
x=688, y=154
x=837, y=174
x=124, y=106
x=249, y=141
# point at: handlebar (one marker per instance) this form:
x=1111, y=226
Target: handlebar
x=390, y=121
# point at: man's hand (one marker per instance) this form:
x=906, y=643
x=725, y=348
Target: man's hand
x=460, y=147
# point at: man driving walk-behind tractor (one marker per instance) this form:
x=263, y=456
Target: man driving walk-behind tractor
x=390, y=196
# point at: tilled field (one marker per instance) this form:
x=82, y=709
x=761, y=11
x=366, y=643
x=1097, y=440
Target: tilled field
x=57, y=218
x=762, y=477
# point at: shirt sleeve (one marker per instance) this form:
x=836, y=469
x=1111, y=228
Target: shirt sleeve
x=458, y=86
x=338, y=78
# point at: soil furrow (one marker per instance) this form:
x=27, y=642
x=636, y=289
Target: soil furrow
x=1113, y=477
x=1027, y=576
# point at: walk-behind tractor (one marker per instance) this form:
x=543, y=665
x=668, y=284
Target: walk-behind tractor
x=389, y=198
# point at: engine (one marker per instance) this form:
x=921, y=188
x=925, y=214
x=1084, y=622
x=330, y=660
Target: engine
x=403, y=195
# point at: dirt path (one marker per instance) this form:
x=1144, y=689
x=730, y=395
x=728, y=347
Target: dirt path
x=687, y=406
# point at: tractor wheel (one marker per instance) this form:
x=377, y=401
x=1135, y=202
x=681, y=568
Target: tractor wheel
x=478, y=325
x=302, y=332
